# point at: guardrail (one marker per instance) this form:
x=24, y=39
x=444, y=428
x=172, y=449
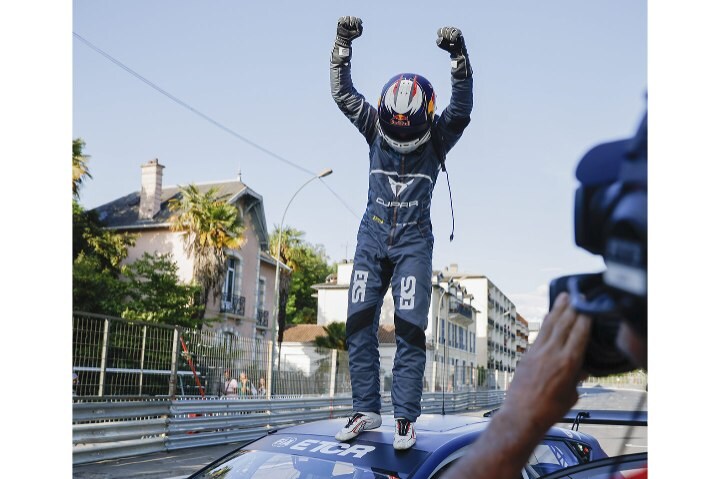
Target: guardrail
x=110, y=428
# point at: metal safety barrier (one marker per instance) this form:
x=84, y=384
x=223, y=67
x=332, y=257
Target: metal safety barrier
x=111, y=428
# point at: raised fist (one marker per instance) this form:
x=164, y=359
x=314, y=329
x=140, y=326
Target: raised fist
x=348, y=29
x=450, y=39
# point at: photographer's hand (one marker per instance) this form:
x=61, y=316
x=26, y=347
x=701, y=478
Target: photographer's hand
x=546, y=377
x=542, y=391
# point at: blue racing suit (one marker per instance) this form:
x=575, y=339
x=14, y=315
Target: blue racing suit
x=394, y=244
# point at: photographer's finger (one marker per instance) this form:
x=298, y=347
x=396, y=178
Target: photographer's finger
x=578, y=337
x=561, y=303
x=563, y=325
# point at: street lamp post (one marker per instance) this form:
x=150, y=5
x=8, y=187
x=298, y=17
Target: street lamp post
x=276, y=309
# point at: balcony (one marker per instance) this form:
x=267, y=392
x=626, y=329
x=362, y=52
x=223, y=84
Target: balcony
x=262, y=318
x=234, y=305
x=460, y=312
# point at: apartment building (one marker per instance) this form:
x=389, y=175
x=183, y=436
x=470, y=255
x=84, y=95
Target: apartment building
x=501, y=332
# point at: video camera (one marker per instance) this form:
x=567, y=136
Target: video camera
x=611, y=220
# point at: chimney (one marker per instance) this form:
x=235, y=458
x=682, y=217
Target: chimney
x=151, y=191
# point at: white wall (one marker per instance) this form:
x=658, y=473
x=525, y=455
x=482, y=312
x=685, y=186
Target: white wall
x=300, y=355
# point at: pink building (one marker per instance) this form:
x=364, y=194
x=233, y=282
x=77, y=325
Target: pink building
x=246, y=304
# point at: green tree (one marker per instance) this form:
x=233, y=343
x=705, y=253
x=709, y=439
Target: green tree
x=97, y=253
x=154, y=293
x=334, y=339
x=309, y=265
x=313, y=269
x=90, y=238
x=210, y=225
x=96, y=288
x=290, y=246
x=80, y=169
x=289, y=251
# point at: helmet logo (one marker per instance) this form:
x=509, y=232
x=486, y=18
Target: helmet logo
x=404, y=99
x=398, y=187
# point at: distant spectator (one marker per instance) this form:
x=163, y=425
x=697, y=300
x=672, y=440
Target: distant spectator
x=261, y=387
x=246, y=386
x=231, y=385
x=76, y=381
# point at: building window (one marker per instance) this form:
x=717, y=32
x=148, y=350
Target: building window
x=261, y=295
x=231, y=288
x=442, y=331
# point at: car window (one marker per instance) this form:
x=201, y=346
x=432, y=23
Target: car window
x=550, y=456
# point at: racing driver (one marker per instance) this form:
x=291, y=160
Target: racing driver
x=407, y=144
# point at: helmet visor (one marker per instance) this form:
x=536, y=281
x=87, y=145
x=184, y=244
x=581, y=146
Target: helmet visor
x=403, y=133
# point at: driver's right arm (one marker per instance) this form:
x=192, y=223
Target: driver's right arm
x=353, y=105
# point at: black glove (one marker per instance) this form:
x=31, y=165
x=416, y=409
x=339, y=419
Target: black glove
x=348, y=29
x=451, y=40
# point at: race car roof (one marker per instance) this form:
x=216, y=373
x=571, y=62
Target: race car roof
x=437, y=437
x=426, y=423
x=432, y=431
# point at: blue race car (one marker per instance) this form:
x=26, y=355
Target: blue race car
x=310, y=451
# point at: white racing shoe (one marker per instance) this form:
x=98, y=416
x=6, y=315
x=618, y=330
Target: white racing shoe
x=404, y=434
x=357, y=423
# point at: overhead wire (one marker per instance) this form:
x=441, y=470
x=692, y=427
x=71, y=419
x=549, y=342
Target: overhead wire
x=210, y=119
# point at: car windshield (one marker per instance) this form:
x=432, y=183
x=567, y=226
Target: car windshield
x=248, y=464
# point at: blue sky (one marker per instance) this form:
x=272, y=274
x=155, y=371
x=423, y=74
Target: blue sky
x=551, y=80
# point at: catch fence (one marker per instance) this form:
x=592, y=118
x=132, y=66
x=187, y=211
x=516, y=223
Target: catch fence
x=117, y=357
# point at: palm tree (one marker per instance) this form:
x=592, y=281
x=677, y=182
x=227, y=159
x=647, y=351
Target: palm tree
x=210, y=225
x=80, y=169
x=291, y=254
x=291, y=250
x=335, y=338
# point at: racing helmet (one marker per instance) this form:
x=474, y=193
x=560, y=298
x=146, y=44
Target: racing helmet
x=405, y=111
